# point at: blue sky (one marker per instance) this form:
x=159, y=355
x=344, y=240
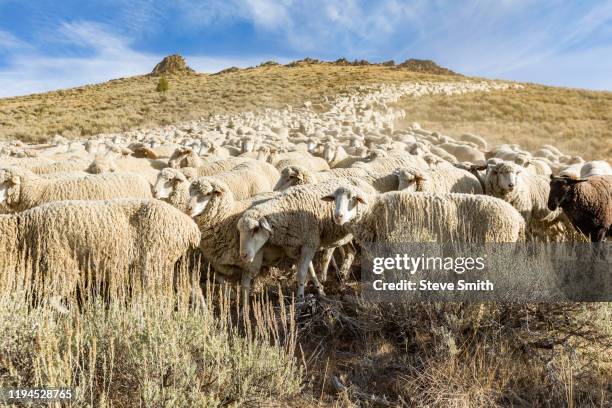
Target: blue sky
x=50, y=44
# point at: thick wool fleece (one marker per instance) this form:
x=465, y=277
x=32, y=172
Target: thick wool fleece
x=68, y=238
x=220, y=241
x=446, y=217
x=33, y=190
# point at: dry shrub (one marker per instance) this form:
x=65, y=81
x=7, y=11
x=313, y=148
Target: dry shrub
x=459, y=355
x=180, y=347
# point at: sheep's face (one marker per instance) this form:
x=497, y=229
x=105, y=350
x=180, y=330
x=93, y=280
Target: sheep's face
x=166, y=183
x=345, y=202
x=560, y=191
x=290, y=176
x=506, y=177
x=253, y=236
x=199, y=199
x=407, y=180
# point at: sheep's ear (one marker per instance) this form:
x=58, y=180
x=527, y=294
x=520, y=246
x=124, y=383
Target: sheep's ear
x=361, y=199
x=16, y=180
x=180, y=177
x=329, y=198
x=575, y=181
x=263, y=223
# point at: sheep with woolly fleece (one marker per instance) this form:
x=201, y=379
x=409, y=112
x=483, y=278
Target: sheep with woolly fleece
x=172, y=186
x=543, y=153
x=102, y=164
x=216, y=212
x=477, y=140
x=586, y=202
x=570, y=170
x=297, y=175
x=147, y=168
x=248, y=179
x=463, y=152
x=389, y=161
x=21, y=189
x=595, y=168
x=281, y=160
x=445, y=216
x=220, y=166
x=73, y=164
x=538, y=166
x=296, y=221
x=184, y=157
x=69, y=240
x=337, y=157
x=527, y=193
x=442, y=180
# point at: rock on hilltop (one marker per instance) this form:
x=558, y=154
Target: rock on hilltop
x=172, y=64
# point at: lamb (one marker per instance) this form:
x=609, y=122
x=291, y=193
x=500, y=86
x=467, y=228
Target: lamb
x=21, y=189
x=586, y=202
x=296, y=221
x=297, y=175
x=73, y=240
x=526, y=192
x=442, y=180
x=595, y=168
x=216, y=212
x=447, y=217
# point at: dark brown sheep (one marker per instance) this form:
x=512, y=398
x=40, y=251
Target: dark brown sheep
x=586, y=202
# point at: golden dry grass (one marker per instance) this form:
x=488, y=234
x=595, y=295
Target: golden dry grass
x=576, y=121
x=128, y=103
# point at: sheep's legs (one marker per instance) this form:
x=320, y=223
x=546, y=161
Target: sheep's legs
x=315, y=280
x=347, y=262
x=327, y=257
x=306, y=255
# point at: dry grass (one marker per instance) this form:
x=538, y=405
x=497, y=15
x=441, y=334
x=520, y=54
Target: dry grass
x=576, y=121
x=168, y=348
x=128, y=103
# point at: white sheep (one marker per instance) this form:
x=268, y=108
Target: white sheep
x=595, y=168
x=527, y=193
x=69, y=240
x=296, y=221
x=21, y=189
x=445, y=217
x=441, y=180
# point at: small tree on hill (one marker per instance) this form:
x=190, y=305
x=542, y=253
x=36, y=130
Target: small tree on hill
x=162, y=85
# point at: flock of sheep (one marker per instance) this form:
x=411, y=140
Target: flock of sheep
x=257, y=189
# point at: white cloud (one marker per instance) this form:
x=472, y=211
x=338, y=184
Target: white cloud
x=109, y=56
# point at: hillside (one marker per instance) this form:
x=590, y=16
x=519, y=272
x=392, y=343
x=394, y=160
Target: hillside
x=529, y=116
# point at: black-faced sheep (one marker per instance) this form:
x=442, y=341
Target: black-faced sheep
x=586, y=202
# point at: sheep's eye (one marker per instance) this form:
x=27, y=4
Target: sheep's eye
x=255, y=230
